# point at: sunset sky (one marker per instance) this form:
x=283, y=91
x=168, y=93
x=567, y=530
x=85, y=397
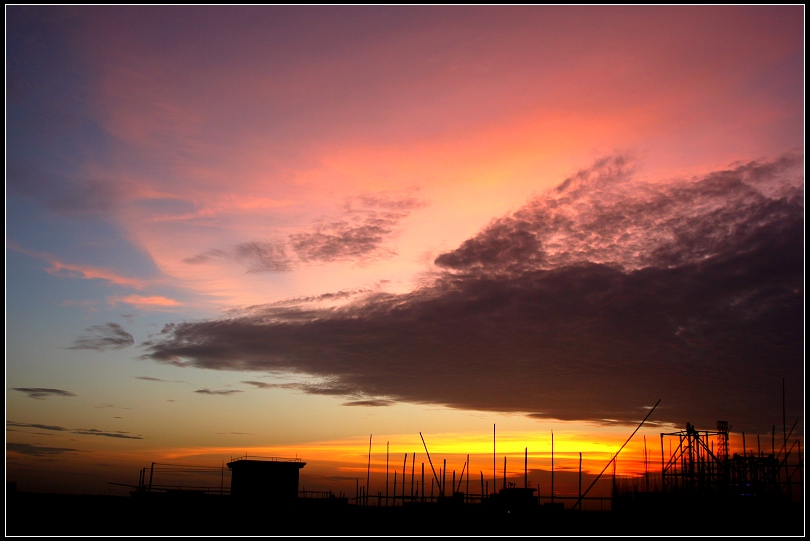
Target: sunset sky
x=278, y=230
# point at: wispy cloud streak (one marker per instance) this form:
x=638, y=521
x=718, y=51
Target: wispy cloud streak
x=37, y=450
x=43, y=392
x=81, y=431
x=358, y=234
x=103, y=337
x=220, y=392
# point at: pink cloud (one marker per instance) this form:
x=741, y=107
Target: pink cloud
x=479, y=108
x=144, y=302
x=84, y=272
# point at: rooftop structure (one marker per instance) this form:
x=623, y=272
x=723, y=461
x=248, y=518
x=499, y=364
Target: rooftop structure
x=265, y=478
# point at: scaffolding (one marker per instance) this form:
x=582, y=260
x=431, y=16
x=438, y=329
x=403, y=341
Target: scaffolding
x=700, y=463
x=181, y=479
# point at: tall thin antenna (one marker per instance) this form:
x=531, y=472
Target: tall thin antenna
x=646, y=473
x=368, y=469
x=494, y=465
x=504, y=472
x=526, y=468
x=413, y=470
x=444, y=478
x=467, y=492
x=404, y=465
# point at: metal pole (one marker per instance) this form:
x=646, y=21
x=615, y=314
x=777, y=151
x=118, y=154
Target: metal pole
x=646, y=473
x=444, y=479
x=423, y=482
x=494, y=465
x=460, y=478
x=526, y=468
x=151, y=473
x=386, y=472
x=413, y=469
x=663, y=484
x=404, y=465
x=579, y=501
x=431, y=465
x=614, y=475
x=467, y=492
x=580, y=476
x=552, y=466
x=504, y=473
x=368, y=470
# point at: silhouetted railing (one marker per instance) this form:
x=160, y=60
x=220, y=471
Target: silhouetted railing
x=265, y=458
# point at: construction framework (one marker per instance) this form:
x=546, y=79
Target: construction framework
x=700, y=462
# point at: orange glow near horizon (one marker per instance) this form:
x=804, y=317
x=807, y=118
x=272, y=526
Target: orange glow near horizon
x=339, y=464
x=351, y=455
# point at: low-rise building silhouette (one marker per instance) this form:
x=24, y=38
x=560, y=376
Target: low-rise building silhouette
x=265, y=478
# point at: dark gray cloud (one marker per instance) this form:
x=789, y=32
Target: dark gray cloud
x=159, y=380
x=103, y=337
x=206, y=257
x=42, y=392
x=217, y=391
x=256, y=256
x=329, y=388
x=591, y=302
x=261, y=384
x=33, y=425
x=365, y=225
x=81, y=431
x=37, y=450
x=263, y=257
x=107, y=434
x=370, y=403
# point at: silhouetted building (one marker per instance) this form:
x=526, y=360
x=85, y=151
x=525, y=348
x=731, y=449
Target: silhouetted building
x=274, y=479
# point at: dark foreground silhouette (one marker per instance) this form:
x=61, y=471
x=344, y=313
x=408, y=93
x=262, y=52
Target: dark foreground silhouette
x=199, y=514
